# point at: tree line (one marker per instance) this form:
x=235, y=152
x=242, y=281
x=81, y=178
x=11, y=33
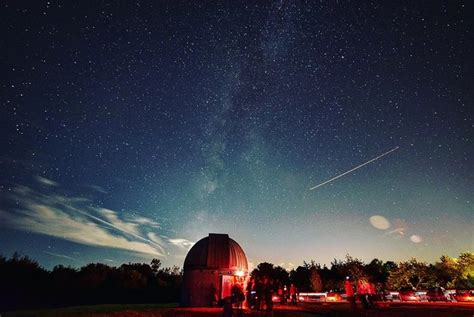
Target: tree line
x=25, y=284
x=448, y=272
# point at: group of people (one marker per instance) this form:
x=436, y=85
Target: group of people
x=259, y=294
x=236, y=299
x=290, y=294
x=365, y=292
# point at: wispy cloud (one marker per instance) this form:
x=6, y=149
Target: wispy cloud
x=145, y=221
x=74, y=219
x=111, y=218
x=45, y=181
x=60, y=255
x=155, y=238
x=116, y=223
x=182, y=243
x=97, y=188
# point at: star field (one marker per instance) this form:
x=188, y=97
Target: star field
x=131, y=130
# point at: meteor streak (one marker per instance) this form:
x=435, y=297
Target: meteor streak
x=355, y=168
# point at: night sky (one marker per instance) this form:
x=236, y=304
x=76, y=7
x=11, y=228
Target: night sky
x=130, y=130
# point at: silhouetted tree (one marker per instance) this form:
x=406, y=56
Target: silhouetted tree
x=301, y=278
x=22, y=280
x=378, y=272
x=280, y=276
x=315, y=280
x=410, y=273
x=454, y=272
x=63, y=284
x=155, y=265
x=466, y=270
x=276, y=275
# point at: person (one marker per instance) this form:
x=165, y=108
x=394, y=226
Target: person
x=214, y=298
x=362, y=292
x=293, y=294
x=280, y=295
x=349, y=292
x=237, y=295
x=251, y=294
x=259, y=294
x=268, y=294
x=227, y=307
x=372, y=293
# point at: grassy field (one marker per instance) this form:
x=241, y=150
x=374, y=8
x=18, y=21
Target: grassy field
x=304, y=310
x=151, y=311
x=148, y=310
x=93, y=310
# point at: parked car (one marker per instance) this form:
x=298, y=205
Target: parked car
x=276, y=298
x=464, y=296
x=437, y=294
x=311, y=297
x=408, y=294
x=333, y=297
x=383, y=296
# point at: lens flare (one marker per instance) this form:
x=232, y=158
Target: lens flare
x=415, y=238
x=379, y=222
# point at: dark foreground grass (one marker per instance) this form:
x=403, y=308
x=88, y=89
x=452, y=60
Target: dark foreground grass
x=147, y=310
x=84, y=311
x=305, y=310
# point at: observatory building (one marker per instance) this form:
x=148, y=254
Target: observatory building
x=212, y=267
